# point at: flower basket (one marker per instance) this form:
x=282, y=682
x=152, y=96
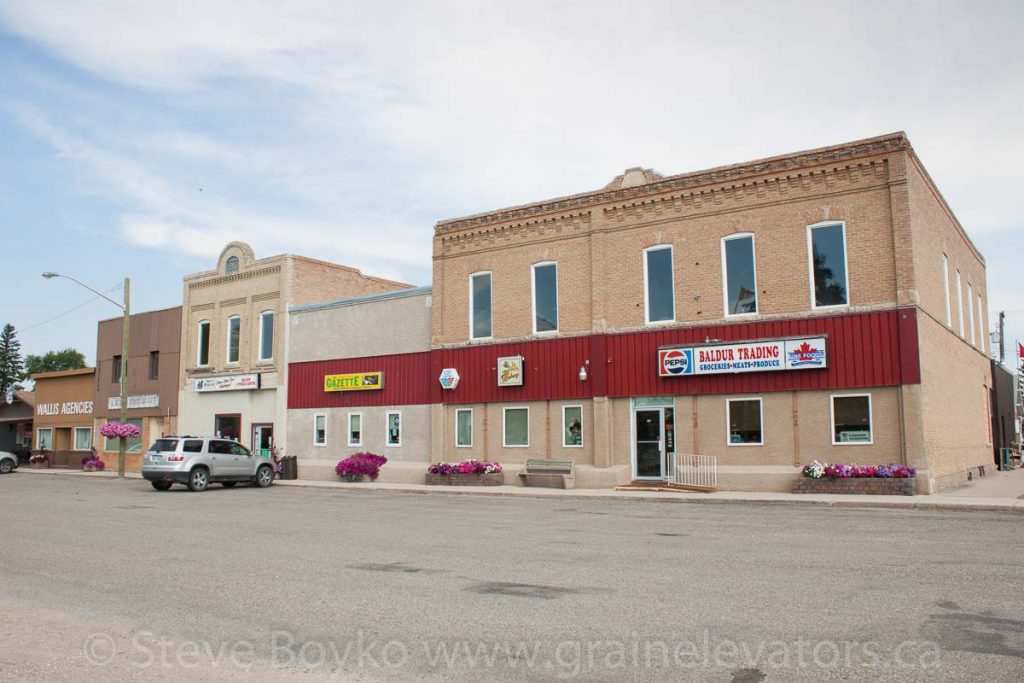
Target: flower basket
x=120, y=430
x=94, y=465
x=466, y=473
x=39, y=461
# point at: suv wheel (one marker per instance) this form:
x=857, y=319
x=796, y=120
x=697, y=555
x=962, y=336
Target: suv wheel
x=161, y=485
x=6, y=466
x=264, y=476
x=198, y=479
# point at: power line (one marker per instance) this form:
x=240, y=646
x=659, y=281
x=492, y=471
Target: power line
x=69, y=311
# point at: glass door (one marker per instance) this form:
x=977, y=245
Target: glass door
x=649, y=443
x=262, y=439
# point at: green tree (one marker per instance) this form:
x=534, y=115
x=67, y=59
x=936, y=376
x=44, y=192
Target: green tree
x=51, y=361
x=11, y=370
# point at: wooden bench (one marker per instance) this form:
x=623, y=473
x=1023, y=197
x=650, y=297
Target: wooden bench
x=554, y=474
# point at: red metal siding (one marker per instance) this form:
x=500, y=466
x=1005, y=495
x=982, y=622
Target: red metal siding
x=408, y=380
x=865, y=350
x=550, y=371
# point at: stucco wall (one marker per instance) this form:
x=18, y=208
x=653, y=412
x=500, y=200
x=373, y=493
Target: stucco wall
x=371, y=328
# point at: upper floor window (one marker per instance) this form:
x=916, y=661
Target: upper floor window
x=659, y=284
x=480, y=305
x=739, y=275
x=545, y=297
x=115, y=370
x=827, y=246
x=231, y=265
x=154, y=365
x=203, y=344
x=234, y=338
x=945, y=290
x=970, y=311
x=960, y=301
x=266, y=335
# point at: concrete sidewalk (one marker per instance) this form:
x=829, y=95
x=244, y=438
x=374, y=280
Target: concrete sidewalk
x=991, y=494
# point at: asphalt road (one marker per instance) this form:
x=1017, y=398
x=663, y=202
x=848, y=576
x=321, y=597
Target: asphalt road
x=109, y=580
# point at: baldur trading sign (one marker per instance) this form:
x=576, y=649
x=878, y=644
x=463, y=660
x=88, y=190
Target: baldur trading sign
x=757, y=356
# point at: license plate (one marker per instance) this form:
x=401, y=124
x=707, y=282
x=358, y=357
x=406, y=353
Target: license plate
x=155, y=458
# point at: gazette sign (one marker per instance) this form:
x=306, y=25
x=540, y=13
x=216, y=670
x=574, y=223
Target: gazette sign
x=354, y=381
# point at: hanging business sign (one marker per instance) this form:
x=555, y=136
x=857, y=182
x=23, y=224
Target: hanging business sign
x=144, y=401
x=228, y=383
x=354, y=381
x=757, y=356
x=510, y=371
x=449, y=378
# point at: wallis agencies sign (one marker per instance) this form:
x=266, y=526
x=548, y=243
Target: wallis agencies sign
x=756, y=356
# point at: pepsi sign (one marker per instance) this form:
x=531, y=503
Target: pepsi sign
x=675, y=362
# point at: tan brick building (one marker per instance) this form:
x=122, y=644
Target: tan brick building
x=611, y=298
x=233, y=339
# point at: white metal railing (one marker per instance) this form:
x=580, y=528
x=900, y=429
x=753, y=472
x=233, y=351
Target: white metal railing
x=686, y=469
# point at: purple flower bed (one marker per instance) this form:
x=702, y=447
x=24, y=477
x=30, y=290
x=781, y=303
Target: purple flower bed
x=818, y=470
x=446, y=469
x=94, y=463
x=357, y=466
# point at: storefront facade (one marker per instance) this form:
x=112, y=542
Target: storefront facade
x=360, y=380
x=824, y=305
x=233, y=340
x=64, y=416
x=152, y=380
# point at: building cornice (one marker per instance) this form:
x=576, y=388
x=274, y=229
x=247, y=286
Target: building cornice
x=573, y=203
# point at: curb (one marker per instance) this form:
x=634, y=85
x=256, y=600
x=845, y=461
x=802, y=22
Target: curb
x=920, y=503
x=1013, y=506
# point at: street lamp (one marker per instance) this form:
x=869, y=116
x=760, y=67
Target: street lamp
x=125, y=308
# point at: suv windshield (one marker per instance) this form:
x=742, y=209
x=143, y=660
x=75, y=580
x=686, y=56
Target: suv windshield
x=164, y=445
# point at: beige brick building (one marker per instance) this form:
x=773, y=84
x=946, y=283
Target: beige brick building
x=234, y=339
x=852, y=246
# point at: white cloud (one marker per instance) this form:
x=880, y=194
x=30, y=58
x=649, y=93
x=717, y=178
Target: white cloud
x=429, y=109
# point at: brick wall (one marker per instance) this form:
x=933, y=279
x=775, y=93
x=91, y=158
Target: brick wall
x=599, y=248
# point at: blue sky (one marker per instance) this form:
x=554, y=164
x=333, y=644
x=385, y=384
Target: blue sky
x=137, y=138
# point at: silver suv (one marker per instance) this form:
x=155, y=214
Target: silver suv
x=198, y=461
x=8, y=462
